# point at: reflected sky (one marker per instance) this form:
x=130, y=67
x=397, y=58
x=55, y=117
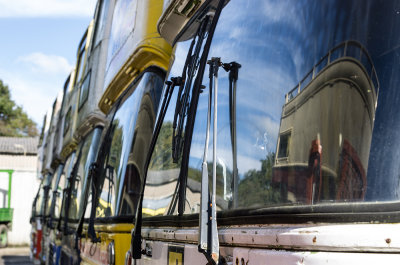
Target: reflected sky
x=277, y=43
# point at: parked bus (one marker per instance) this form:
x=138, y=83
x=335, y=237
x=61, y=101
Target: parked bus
x=272, y=140
x=247, y=170
x=137, y=59
x=39, y=211
x=89, y=126
x=63, y=167
x=68, y=152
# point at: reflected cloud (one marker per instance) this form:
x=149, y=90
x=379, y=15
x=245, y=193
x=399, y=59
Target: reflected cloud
x=44, y=63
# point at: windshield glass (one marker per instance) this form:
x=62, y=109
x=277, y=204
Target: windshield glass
x=44, y=193
x=53, y=187
x=302, y=122
x=39, y=199
x=131, y=131
x=80, y=180
x=163, y=172
x=62, y=185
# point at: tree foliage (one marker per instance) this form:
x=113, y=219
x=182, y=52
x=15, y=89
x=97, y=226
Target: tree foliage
x=256, y=188
x=13, y=119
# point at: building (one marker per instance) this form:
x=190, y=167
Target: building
x=20, y=155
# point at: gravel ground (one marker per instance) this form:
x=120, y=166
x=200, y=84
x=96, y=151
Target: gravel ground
x=11, y=256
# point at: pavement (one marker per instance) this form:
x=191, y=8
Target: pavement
x=15, y=255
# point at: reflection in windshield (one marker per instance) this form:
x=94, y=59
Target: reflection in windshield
x=163, y=172
x=131, y=131
x=53, y=192
x=62, y=186
x=80, y=180
x=310, y=127
x=334, y=111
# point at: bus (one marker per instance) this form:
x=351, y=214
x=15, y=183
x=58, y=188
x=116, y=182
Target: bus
x=277, y=142
x=89, y=127
x=69, y=152
x=137, y=61
x=52, y=162
x=38, y=217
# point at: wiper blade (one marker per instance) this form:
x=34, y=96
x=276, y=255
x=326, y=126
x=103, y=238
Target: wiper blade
x=182, y=102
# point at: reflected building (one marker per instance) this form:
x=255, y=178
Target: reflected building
x=326, y=129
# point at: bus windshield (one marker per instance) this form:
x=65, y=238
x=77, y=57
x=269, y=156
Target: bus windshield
x=130, y=135
x=311, y=115
x=307, y=105
x=80, y=179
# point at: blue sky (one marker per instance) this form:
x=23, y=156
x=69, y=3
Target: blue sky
x=38, y=47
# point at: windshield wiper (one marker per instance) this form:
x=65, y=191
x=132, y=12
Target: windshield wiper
x=208, y=233
x=136, y=240
x=233, y=69
x=53, y=199
x=182, y=102
x=94, y=177
x=70, y=186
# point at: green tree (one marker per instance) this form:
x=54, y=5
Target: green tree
x=256, y=188
x=13, y=120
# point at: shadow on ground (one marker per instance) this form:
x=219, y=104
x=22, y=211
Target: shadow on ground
x=14, y=259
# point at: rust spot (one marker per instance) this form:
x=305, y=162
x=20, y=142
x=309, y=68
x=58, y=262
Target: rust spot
x=186, y=237
x=252, y=239
x=237, y=261
x=247, y=262
x=314, y=240
x=388, y=240
x=276, y=239
x=256, y=233
x=307, y=232
x=242, y=261
x=232, y=239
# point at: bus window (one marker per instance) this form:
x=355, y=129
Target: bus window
x=53, y=189
x=62, y=185
x=131, y=131
x=160, y=194
x=310, y=127
x=101, y=21
x=80, y=180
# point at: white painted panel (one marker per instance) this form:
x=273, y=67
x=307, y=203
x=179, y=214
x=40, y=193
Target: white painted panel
x=24, y=188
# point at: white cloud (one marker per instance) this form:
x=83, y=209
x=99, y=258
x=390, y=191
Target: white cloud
x=40, y=62
x=46, y=8
x=35, y=95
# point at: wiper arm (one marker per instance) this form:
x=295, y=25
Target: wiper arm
x=233, y=69
x=136, y=240
x=208, y=234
